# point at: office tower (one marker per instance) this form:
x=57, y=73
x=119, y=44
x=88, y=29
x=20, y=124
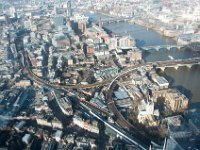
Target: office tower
x=69, y=9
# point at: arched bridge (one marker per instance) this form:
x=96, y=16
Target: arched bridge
x=178, y=63
x=114, y=20
x=160, y=47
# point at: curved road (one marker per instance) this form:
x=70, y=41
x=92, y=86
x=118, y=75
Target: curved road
x=110, y=102
x=111, y=105
x=35, y=78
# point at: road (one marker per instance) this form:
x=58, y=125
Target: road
x=48, y=85
x=87, y=105
x=17, y=118
x=121, y=132
x=110, y=102
x=119, y=118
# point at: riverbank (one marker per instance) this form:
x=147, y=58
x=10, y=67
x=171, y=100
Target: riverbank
x=160, y=30
x=186, y=81
x=150, y=24
x=142, y=35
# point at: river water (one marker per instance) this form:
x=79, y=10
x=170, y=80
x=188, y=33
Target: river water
x=187, y=80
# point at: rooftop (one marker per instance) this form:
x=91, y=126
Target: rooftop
x=121, y=94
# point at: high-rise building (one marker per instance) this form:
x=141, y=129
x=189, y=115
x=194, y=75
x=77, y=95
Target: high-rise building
x=100, y=23
x=156, y=5
x=82, y=26
x=69, y=8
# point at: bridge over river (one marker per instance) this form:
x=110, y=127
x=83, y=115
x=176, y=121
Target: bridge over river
x=161, y=47
x=113, y=20
x=178, y=63
x=160, y=64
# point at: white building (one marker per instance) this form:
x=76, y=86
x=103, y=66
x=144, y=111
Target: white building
x=121, y=42
x=54, y=123
x=161, y=81
x=27, y=24
x=126, y=42
x=145, y=109
x=23, y=83
x=121, y=94
x=80, y=18
x=58, y=135
x=89, y=127
x=26, y=40
x=26, y=138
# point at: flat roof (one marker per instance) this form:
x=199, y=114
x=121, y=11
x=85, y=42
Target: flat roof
x=121, y=94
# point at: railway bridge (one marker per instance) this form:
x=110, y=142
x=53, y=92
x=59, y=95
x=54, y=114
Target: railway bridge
x=163, y=47
x=178, y=63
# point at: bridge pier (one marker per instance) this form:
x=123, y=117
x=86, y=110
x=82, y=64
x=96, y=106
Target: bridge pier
x=179, y=47
x=173, y=47
x=168, y=48
x=161, y=68
x=189, y=65
x=176, y=67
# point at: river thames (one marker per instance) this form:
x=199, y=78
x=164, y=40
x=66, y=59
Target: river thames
x=185, y=79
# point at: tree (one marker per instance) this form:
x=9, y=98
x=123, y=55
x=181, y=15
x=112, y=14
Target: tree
x=78, y=46
x=91, y=79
